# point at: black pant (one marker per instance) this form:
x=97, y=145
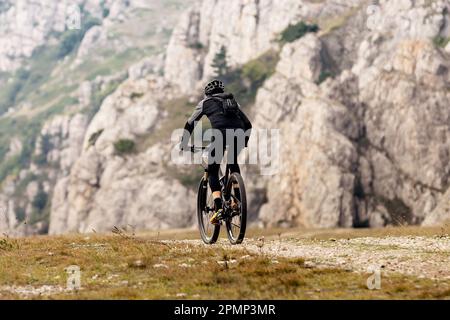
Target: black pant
x=234, y=149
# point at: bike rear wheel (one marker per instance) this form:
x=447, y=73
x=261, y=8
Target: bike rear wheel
x=205, y=204
x=237, y=223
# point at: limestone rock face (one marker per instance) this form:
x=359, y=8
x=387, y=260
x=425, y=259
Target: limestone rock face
x=107, y=189
x=128, y=41
x=248, y=29
x=58, y=146
x=362, y=107
x=441, y=213
x=27, y=24
x=66, y=135
x=371, y=146
x=314, y=186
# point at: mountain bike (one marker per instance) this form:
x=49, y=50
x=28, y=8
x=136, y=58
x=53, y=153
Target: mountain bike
x=234, y=200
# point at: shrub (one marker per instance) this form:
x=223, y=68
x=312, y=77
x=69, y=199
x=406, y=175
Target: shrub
x=196, y=45
x=220, y=64
x=296, y=31
x=324, y=75
x=46, y=147
x=69, y=42
x=136, y=95
x=22, y=74
x=440, y=41
x=40, y=199
x=124, y=146
x=20, y=214
x=244, y=82
x=72, y=38
x=258, y=70
x=94, y=137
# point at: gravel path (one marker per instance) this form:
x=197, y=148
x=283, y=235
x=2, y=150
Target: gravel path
x=423, y=257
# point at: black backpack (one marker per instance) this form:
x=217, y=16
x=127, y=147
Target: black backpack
x=229, y=105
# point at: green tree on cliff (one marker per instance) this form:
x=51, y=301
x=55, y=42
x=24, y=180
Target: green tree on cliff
x=219, y=63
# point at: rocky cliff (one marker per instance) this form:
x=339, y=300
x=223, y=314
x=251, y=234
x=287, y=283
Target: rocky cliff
x=76, y=54
x=107, y=187
x=362, y=105
x=359, y=90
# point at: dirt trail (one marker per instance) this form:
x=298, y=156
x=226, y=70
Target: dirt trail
x=423, y=257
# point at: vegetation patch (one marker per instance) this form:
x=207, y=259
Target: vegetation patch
x=31, y=77
x=136, y=95
x=10, y=90
x=245, y=81
x=46, y=147
x=20, y=214
x=441, y=41
x=7, y=244
x=124, y=146
x=196, y=46
x=297, y=31
x=40, y=199
x=324, y=75
x=94, y=137
x=71, y=39
x=336, y=22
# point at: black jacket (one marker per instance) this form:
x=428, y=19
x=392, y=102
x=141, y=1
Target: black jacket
x=212, y=108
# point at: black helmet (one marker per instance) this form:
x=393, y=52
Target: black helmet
x=215, y=86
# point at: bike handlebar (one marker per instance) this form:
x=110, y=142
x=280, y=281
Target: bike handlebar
x=195, y=148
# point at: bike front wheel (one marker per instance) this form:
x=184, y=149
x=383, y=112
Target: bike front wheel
x=205, y=204
x=236, y=223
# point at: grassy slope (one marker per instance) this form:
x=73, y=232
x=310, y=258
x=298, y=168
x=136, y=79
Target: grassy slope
x=122, y=266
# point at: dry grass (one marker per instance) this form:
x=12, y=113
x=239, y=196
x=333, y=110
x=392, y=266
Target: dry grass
x=336, y=22
x=122, y=266
x=308, y=233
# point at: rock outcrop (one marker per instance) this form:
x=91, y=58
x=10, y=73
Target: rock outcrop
x=57, y=109
x=371, y=146
x=27, y=24
x=248, y=29
x=107, y=188
x=362, y=106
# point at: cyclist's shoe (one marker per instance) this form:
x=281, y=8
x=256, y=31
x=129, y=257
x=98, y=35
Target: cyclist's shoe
x=218, y=215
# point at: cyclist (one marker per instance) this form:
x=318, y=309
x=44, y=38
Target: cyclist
x=226, y=117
